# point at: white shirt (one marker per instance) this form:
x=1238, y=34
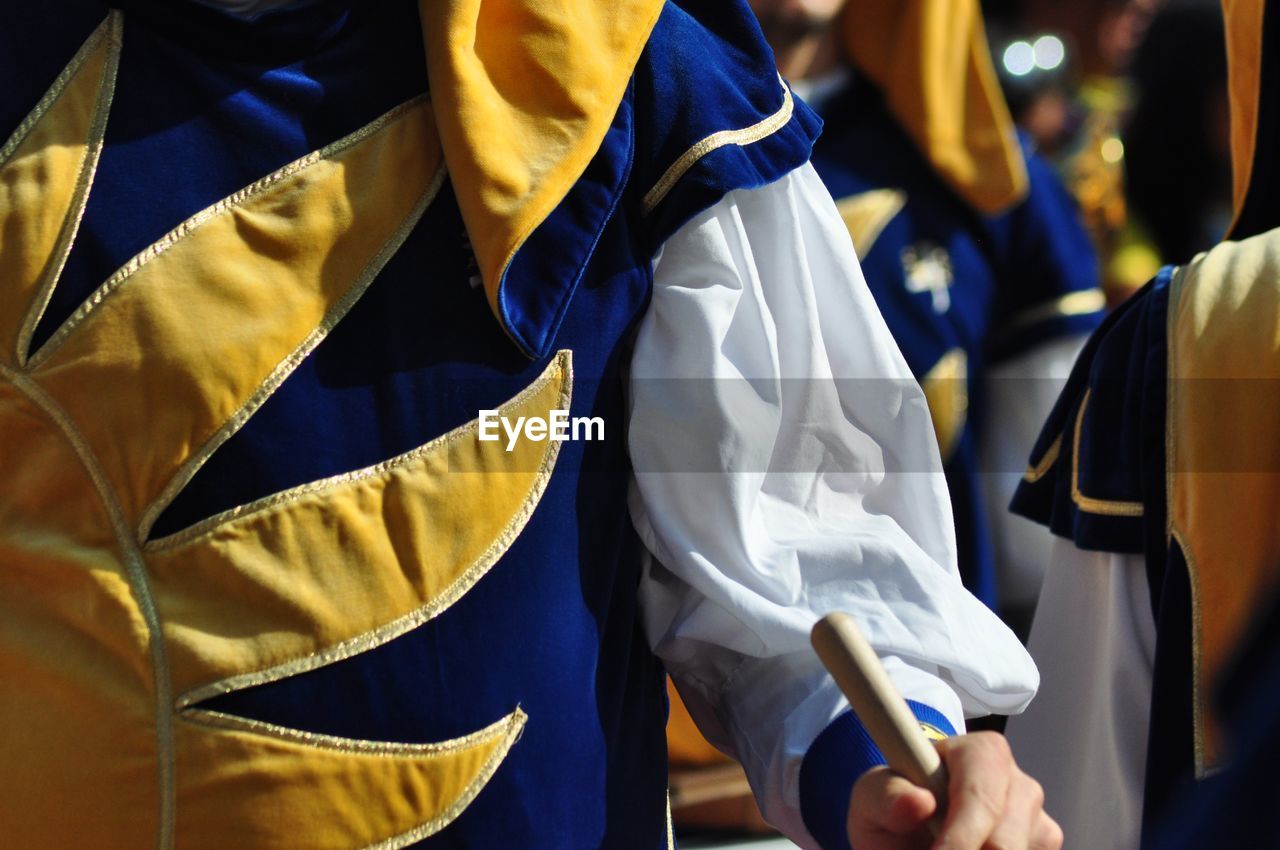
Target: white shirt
x=1085, y=737
x=763, y=354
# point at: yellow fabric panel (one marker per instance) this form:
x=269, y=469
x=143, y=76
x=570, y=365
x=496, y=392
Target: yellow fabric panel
x=1244, y=88
x=185, y=341
x=46, y=168
x=524, y=92
x=1224, y=457
x=335, y=568
x=867, y=213
x=685, y=744
x=930, y=59
x=946, y=389
x=77, y=708
x=288, y=789
x=102, y=427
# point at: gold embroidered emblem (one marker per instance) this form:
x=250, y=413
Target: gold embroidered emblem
x=928, y=269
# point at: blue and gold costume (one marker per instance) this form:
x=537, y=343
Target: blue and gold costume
x=973, y=250
x=260, y=584
x=1163, y=442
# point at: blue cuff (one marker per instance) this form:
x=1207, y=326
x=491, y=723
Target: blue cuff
x=835, y=760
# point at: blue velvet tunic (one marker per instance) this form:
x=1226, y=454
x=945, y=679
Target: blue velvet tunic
x=206, y=104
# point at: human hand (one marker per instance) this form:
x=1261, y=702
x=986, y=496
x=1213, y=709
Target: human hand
x=993, y=805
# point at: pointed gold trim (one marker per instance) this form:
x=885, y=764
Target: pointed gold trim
x=561, y=365
x=184, y=229
x=492, y=744
x=112, y=29
x=946, y=391
x=222, y=720
x=286, y=367
x=742, y=137
x=1104, y=507
x=1035, y=473
x=866, y=215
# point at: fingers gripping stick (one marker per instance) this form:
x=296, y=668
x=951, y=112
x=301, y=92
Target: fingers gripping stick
x=883, y=712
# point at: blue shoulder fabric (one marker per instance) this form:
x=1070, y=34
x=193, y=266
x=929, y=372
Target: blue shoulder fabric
x=837, y=757
x=1097, y=471
x=714, y=114
x=705, y=73
x=1043, y=242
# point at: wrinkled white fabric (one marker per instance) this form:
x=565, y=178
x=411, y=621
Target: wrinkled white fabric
x=786, y=467
x=1085, y=736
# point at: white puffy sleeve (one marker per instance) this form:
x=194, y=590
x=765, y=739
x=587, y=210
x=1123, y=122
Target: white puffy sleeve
x=785, y=467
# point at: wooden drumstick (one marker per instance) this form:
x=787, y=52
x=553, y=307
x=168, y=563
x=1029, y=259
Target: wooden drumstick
x=883, y=712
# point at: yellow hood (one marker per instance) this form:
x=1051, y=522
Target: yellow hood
x=1251, y=58
x=931, y=61
x=523, y=92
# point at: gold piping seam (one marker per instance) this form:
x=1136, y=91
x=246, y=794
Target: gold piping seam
x=1172, y=535
x=234, y=723
x=84, y=180
x=742, y=137
x=141, y=586
x=1104, y=507
x=463, y=583
x=233, y=200
x=1197, y=705
x=1035, y=473
x=450, y=814
x=336, y=313
x=55, y=90
x=1072, y=304
x=561, y=364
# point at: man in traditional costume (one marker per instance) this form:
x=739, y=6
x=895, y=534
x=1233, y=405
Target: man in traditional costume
x=264, y=584
x=974, y=251
x=1160, y=469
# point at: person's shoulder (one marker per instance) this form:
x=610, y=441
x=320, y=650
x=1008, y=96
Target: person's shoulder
x=1096, y=473
x=712, y=114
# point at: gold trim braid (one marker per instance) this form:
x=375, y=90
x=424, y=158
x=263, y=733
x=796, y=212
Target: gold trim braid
x=1104, y=507
x=113, y=30
x=742, y=137
x=286, y=367
x=1041, y=469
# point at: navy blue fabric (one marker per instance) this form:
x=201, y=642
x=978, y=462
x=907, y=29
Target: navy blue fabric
x=705, y=69
x=539, y=283
x=1121, y=439
x=206, y=104
x=175, y=138
x=837, y=757
x=1121, y=457
x=708, y=69
x=1002, y=268
x=1237, y=808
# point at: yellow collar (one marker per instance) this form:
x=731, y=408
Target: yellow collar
x=931, y=61
x=523, y=93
